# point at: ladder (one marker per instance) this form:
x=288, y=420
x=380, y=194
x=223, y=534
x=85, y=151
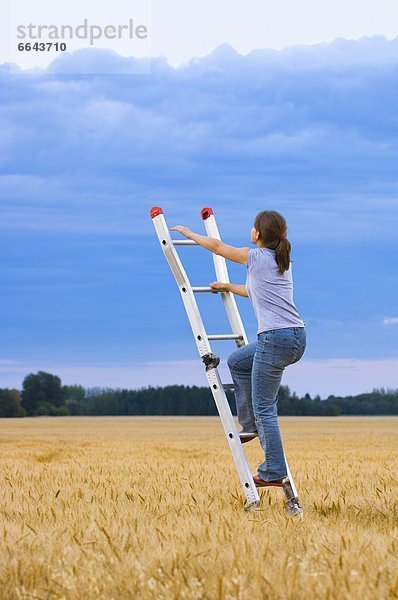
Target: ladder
x=210, y=359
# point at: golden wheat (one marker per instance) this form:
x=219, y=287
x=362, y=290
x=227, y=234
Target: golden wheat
x=109, y=508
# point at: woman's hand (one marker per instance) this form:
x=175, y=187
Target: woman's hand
x=184, y=230
x=234, y=288
x=219, y=287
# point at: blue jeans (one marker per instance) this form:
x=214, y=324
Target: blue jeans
x=256, y=371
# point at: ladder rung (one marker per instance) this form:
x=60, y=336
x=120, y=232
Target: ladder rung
x=203, y=289
x=225, y=336
x=228, y=386
x=184, y=243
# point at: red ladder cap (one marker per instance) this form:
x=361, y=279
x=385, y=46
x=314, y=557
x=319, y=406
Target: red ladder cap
x=206, y=212
x=155, y=211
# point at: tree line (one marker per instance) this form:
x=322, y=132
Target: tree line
x=43, y=394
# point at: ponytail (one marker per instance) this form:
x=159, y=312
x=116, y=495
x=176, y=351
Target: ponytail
x=282, y=255
x=272, y=228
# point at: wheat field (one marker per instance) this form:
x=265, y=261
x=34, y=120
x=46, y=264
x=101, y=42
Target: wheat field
x=108, y=508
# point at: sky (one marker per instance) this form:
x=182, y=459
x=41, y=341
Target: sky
x=310, y=131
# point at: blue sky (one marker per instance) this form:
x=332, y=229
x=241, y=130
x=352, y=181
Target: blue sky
x=310, y=131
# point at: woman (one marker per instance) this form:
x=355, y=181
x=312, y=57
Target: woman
x=257, y=368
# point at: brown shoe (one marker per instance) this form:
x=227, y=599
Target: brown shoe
x=261, y=483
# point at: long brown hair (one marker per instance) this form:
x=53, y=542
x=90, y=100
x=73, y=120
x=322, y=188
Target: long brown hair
x=272, y=227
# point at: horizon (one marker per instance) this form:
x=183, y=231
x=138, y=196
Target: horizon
x=105, y=389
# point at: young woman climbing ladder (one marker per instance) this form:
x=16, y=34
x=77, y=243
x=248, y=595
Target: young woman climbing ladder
x=257, y=368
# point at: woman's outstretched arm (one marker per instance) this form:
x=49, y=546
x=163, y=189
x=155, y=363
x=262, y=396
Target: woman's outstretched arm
x=238, y=255
x=239, y=290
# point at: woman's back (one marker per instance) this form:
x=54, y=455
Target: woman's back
x=270, y=292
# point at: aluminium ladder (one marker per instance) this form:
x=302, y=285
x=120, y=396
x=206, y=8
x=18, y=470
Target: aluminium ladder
x=211, y=360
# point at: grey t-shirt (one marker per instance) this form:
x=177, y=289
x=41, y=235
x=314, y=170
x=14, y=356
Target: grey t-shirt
x=270, y=292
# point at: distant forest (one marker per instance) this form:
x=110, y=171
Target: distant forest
x=43, y=394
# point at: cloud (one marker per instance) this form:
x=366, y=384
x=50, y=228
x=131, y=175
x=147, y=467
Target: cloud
x=98, y=62
x=300, y=127
x=390, y=321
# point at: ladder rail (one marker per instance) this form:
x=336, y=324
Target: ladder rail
x=220, y=266
x=211, y=361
